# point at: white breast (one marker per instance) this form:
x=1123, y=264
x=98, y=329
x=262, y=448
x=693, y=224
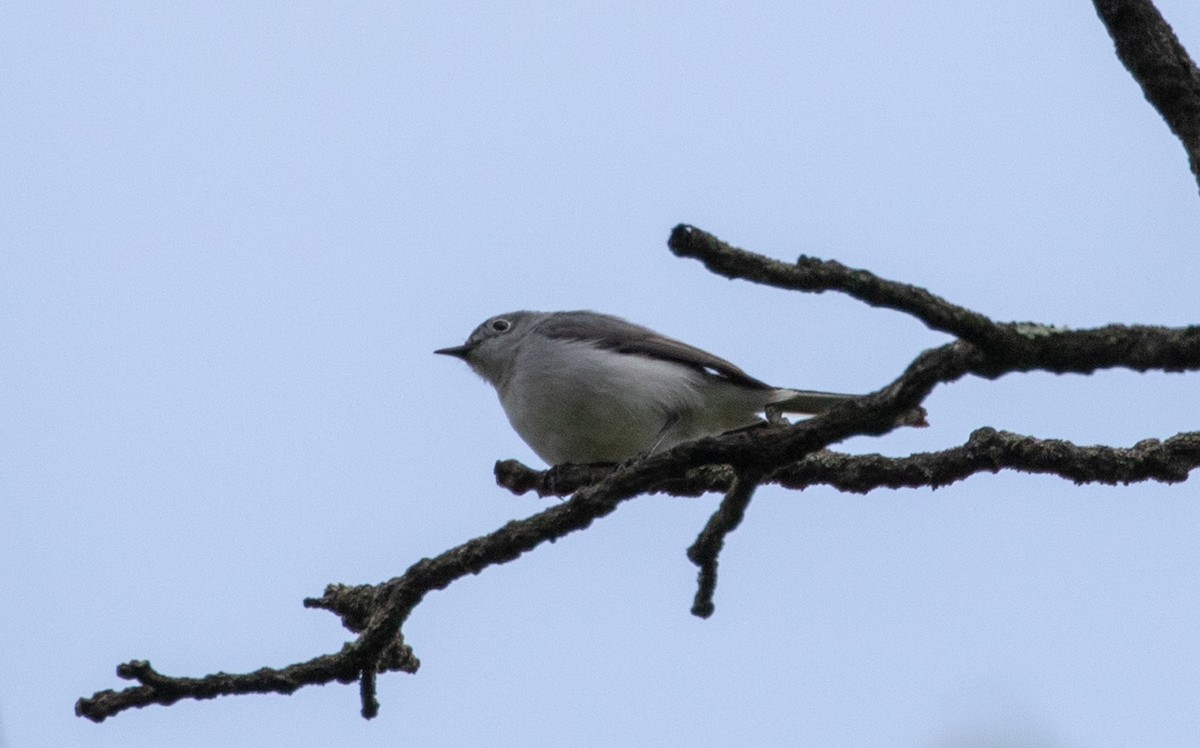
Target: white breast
x=573, y=402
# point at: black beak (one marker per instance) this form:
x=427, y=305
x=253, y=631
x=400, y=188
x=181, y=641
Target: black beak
x=458, y=351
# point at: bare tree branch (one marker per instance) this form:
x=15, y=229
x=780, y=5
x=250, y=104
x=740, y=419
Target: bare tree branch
x=708, y=545
x=1009, y=347
x=811, y=274
x=987, y=450
x=1147, y=46
x=376, y=613
x=155, y=688
x=790, y=455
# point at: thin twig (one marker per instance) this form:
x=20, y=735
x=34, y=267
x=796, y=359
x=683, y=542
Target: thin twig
x=705, y=551
x=815, y=275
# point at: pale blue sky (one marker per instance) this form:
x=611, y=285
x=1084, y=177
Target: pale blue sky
x=234, y=232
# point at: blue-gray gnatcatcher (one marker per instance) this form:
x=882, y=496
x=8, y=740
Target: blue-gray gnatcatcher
x=584, y=387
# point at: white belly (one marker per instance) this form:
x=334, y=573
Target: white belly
x=581, y=404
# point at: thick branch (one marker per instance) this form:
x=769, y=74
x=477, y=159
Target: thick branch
x=1148, y=47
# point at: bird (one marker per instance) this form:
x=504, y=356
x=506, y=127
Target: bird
x=584, y=387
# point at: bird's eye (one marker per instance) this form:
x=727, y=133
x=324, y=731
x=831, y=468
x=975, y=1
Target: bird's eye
x=500, y=325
